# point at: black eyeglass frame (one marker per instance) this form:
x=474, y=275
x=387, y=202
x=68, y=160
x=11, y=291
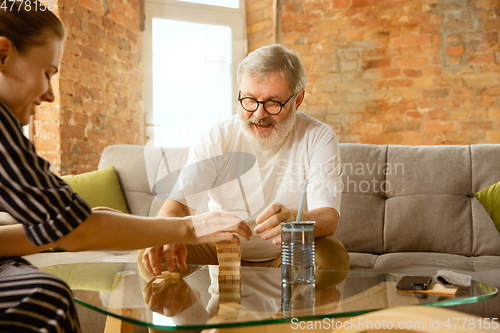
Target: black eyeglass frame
x=240, y=99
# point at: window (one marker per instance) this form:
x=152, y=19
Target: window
x=192, y=51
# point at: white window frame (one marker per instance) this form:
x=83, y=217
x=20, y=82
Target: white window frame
x=196, y=13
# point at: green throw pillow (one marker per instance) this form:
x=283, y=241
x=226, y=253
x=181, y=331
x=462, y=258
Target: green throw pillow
x=490, y=199
x=99, y=188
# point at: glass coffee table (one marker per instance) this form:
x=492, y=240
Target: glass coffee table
x=198, y=300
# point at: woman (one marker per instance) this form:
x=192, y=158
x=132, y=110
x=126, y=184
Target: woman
x=31, y=44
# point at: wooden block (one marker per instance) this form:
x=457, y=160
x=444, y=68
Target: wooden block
x=165, y=275
x=229, y=259
x=230, y=316
x=233, y=295
x=227, y=246
x=225, y=273
x=231, y=291
x=230, y=264
x=226, y=270
x=236, y=271
x=228, y=307
x=158, y=283
x=229, y=269
x=227, y=283
x=175, y=276
x=229, y=300
x=230, y=276
x=228, y=251
x=233, y=255
x=229, y=286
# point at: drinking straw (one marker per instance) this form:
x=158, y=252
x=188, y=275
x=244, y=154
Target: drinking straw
x=302, y=201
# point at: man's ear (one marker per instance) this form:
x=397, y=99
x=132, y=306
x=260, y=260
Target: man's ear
x=300, y=99
x=6, y=50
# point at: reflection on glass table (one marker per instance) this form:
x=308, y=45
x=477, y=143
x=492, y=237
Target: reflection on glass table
x=199, y=300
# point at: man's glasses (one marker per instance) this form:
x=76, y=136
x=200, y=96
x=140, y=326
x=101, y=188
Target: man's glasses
x=251, y=104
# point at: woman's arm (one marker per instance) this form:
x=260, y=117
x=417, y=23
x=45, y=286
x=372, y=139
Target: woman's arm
x=15, y=243
x=100, y=231
x=104, y=230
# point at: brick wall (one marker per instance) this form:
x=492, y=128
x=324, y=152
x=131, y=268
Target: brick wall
x=99, y=87
x=399, y=71
x=261, y=23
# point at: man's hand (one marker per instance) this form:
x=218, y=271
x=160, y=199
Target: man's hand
x=152, y=256
x=269, y=221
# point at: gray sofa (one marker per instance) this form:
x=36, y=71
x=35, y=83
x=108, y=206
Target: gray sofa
x=404, y=209
x=425, y=217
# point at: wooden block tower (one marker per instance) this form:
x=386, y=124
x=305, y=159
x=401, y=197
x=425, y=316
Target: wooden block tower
x=229, y=257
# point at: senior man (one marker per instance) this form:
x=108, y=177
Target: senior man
x=288, y=147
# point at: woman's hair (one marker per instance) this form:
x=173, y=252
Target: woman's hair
x=25, y=24
x=275, y=59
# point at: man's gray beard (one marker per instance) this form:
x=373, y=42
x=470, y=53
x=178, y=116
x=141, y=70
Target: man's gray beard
x=278, y=133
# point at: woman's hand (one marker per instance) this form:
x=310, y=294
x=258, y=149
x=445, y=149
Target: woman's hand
x=216, y=226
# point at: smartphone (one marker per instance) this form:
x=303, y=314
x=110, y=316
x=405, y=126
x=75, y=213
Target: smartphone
x=414, y=283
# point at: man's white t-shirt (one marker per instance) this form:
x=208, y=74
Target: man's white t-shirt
x=242, y=178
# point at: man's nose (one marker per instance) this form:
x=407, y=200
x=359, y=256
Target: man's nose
x=260, y=113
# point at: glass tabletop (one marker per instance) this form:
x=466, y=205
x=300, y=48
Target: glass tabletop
x=199, y=300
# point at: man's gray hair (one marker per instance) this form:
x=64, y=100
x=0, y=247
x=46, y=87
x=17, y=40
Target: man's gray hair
x=275, y=59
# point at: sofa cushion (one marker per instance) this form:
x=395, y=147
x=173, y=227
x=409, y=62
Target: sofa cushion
x=486, y=239
x=484, y=159
x=364, y=168
x=99, y=188
x=486, y=263
x=429, y=170
x=145, y=172
x=393, y=261
x=361, y=225
x=489, y=197
x=362, y=209
x=428, y=222
x=362, y=261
